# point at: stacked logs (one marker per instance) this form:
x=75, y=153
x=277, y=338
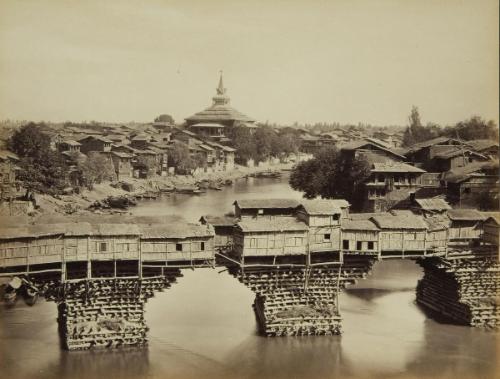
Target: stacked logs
x=293, y=301
x=106, y=312
x=462, y=288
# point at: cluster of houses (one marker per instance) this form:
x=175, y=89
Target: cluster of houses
x=459, y=171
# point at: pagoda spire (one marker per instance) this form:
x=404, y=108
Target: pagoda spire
x=220, y=97
x=220, y=88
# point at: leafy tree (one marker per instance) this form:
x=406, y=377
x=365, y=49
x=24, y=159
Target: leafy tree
x=179, y=157
x=416, y=132
x=165, y=118
x=42, y=170
x=243, y=142
x=331, y=174
x=96, y=169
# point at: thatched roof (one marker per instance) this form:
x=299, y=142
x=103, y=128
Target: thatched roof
x=482, y=144
x=277, y=225
x=465, y=215
x=267, y=204
x=495, y=216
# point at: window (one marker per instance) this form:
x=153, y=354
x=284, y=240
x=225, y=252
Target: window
x=345, y=244
x=326, y=237
x=359, y=245
x=103, y=246
x=335, y=217
x=202, y=246
x=178, y=247
x=370, y=245
x=260, y=211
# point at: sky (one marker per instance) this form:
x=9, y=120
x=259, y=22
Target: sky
x=344, y=61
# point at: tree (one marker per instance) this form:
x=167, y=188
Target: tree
x=416, y=132
x=165, y=118
x=473, y=128
x=41, y=169
x=331, y=174
x=243, y=142
x=96, y=169
x=179, y=157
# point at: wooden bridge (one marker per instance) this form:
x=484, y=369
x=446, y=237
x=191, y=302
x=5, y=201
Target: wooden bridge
x=296, y=257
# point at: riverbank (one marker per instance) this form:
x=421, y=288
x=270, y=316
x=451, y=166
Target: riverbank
x=94, y=201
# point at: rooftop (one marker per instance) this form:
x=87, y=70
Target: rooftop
x=395, y=167
x=267, y=203
x=324, y=207
x=399, y=221
x=436, y=204
x=465, y=215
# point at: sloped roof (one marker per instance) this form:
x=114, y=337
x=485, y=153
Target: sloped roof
x=267, y=203
x=115, y=229
x=400, y=221
x=455, y=151
x=96, y=137
x=358, y=224
x=122, y=154
x=395, y=167
x=436, y=204
x=492, y=215
x=482, y=144
x=219, y=112
x=436, y=223
x=431, y=142
x=465, y=215
x=219, y=220
x=323, y=206
x=358, y=144
x=71, y=142
x=277, y=225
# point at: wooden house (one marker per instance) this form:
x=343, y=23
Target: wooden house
x=69, y=145
x=400, y=232
x=94, y=143
x=114, y=241
x=465, y=224
x=122, y=163
x=223, y=227
x=491, y=228
x=436, y=240
x=270, y=237
x=177, y=242
x=360, y=234
x=371, y=150
x=323, y=218
x=30, y=245
x=422, y=153
x=453, y=157
x=265, y=208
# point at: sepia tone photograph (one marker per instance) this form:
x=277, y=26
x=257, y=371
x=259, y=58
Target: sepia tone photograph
x=297, y=189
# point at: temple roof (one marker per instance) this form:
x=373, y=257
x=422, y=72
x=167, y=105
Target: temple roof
x=220, y=110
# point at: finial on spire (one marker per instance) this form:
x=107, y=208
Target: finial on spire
x=220, y=89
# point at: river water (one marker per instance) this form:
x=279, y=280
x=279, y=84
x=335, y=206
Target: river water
x=204, y=326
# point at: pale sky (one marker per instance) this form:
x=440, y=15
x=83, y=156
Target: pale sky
x=308, y=61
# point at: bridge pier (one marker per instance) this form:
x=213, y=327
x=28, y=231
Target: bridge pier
x=296, y=300
x=105, y=312
x=462, y=288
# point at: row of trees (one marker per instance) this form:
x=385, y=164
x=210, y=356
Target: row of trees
x=262, y=144
x=473, y=128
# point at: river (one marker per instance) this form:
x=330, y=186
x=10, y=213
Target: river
x=204, y=326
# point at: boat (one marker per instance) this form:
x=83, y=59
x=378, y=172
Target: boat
x=188, y=189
